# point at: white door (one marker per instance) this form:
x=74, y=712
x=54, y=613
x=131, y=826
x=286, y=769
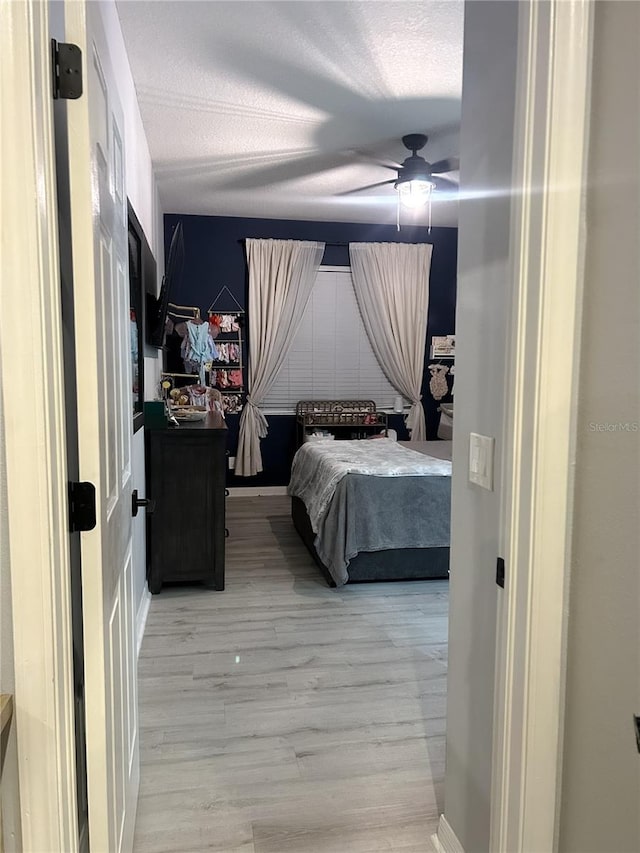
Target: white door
x=101, y=294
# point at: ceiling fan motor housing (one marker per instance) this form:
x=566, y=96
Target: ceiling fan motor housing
x=414, y=141
x=415, y=167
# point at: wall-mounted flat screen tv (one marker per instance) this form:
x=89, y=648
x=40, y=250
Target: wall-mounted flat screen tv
x=157, y=315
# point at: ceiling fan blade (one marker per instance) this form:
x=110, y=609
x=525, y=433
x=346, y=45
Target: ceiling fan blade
x=449, y=164
x=290, y=169
x=368, y=187
x=444, y=184
x=365, y=157
x=393, y=166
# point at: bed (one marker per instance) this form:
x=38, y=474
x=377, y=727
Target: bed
x=373, y=510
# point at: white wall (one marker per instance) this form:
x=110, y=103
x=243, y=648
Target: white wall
x=141, y=187
x=490, y=45
x=600, y=807
x=141, y=184
x=143, y=194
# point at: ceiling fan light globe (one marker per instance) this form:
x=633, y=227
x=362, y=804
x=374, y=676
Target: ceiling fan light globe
x=415, y=193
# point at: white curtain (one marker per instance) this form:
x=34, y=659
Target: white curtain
x=391, y=281
x=281, y=278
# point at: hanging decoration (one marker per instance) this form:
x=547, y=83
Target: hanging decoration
x=438, y=383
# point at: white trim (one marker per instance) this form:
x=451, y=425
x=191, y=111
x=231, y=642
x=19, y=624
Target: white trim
x=35, y=436
x=141, y=618
x=550, y=150
x=333, y=268
x=445, y=840
x=256, y=491
x=132, y=800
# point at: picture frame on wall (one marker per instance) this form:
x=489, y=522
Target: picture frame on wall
x=443, y=346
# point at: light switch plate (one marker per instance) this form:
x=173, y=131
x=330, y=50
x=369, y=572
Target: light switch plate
x=481, y=452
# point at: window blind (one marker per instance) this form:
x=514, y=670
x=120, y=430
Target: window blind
x=331, y=357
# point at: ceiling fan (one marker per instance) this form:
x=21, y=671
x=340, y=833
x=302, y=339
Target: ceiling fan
x=416, y=179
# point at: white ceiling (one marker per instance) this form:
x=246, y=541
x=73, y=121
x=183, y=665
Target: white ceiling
x=264, y=108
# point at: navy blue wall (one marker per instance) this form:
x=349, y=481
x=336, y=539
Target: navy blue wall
x=214, y=257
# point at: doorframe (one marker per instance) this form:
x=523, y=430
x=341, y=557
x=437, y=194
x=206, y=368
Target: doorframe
x=548, y=239
x=551, y=133
x=34, y=431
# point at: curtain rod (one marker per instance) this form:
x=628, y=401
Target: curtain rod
x=326, y=243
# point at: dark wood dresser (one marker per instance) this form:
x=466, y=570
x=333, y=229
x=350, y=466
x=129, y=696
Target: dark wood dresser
x=186, y=472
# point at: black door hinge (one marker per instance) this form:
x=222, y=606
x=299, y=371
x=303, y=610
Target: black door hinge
x=636, y=721
x=82, y=506
x=66, y=68
x=500, y=572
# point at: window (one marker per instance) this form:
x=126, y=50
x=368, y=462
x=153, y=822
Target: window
x=331, y=357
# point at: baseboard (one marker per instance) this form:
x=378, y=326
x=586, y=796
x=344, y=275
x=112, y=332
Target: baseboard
x=141, y=618
x=445, y=840
x=256, y=491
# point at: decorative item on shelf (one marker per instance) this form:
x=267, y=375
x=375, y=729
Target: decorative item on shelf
x=184, y=399
x=215, y=400
x=169, y=383
x=232, y=403
x=189, y=413
x=226, y=317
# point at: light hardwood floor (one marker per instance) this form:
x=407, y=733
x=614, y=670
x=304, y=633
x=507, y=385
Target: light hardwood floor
x=282, y=716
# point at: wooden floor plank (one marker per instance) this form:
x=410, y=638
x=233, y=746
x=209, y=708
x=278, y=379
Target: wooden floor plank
x=282, y=716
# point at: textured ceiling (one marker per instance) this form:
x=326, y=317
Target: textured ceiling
x=271, y=109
